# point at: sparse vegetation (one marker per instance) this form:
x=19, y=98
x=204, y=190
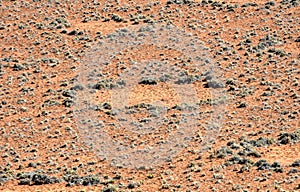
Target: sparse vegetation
x=254, y=46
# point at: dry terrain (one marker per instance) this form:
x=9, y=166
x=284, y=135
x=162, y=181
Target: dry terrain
x=253, y=46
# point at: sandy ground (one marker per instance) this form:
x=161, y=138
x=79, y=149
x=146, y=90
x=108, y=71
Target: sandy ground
x=253, y=47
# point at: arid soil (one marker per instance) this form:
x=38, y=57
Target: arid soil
x=254, y=45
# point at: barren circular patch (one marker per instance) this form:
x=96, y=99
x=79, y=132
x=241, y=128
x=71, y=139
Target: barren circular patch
x=144, y=91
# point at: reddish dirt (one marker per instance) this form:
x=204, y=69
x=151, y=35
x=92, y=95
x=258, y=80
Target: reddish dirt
x=256, y=46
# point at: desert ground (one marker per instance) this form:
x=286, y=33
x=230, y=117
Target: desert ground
x=47, y=48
